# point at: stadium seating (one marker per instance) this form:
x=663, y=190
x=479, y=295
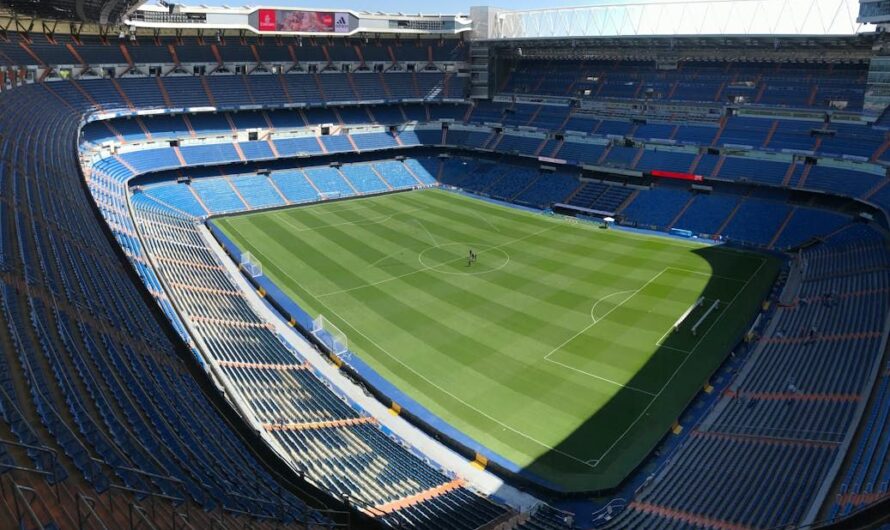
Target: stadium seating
x=91, y=376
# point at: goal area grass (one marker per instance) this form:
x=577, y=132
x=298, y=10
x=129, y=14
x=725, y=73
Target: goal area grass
x=563, y=347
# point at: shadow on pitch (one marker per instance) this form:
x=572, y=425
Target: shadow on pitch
x=607, y=447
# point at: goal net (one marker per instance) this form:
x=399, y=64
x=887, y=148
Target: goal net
x=328, y=195
x=251, y=265
x=330, y=336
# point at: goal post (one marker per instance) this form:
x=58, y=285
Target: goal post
x=331, y=336
x=251, y=265
x=328, y=195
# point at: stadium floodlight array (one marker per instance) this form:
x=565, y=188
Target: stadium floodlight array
x=251, y=265
x=331, y=336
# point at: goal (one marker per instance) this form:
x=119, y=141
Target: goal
x=251, y=265
x=328, y=195
x=331, y=336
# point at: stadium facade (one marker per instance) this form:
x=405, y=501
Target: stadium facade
x=156, y=373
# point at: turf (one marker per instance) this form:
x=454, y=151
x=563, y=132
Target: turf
x=555, y=350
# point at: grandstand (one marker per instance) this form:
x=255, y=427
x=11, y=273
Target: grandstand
x=678, y=317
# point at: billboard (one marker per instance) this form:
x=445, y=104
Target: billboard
x=289, y=20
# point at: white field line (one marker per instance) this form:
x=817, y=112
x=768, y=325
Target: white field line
x=429, y=381
x=668, y=332
x=680, y=366
x=386, y=280
x=427, y=230
x=369, y=221
x=595, y=320
x=592, y=463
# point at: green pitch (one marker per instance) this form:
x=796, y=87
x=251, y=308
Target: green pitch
x=556, y=349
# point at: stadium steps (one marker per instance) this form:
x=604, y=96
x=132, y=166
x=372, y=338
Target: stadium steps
x=413, y=174
x=637, y=157
x=400, y=107
x=165, y=204
x=811, y=100
x=731, y=215
x=339, y=117
x=673, y=89
x=126, y=164
x=775, y=239
x=241, y=198
x=426, y=110
x=319, y=87
x=562, y=125
x=723, y=121
x=764, y=440
x=720, y=89
x=419, y=497
x=200, y=201
x=142, y=126
x=380, y=176
x=789, y=174
x=504, y=173
x=178, y=153
x=303, y=117
x=207, y=90
x=681, y=212
x=283, y=83
x=469, y=113
x=541, y=147
x=444, y=136
x=797, y=396
x=114, y=131
x=770, y=133
x=531, y=184
x=276, y=188
x=355, y=190
x=836, y=337
x=415, y=86
x=268, y=120
x=695, y=161
x=556, y=148
x=605, y=154
x=689, y=518
x=496, y=138
x=877, y=187
x=371, y=117
x=574, y=194
x=879, y=152
x=329, y=424
x=87, y=95
x=801, y=183
x=534, y=116
x=188, y=125
x=273, y=148
x=630, y=198
x=163, y=89
x=309, y=180
x=240, y=152
x=120, y=90
x=760, y=92
x=352, y=143
x=718, y=166
x=321, y=145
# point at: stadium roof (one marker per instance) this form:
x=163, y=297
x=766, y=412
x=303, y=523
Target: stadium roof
x=675, y=18
x=102, y=11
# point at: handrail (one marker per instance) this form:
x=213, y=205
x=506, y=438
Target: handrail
x=17, y=495
x=91, y=514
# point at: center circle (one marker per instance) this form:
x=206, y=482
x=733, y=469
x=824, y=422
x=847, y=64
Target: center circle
x=452, y=258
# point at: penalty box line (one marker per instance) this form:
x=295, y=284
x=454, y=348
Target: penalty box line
x=680, y=366
x=595, y=322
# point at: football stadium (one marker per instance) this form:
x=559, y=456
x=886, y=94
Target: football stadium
x=619, y=266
